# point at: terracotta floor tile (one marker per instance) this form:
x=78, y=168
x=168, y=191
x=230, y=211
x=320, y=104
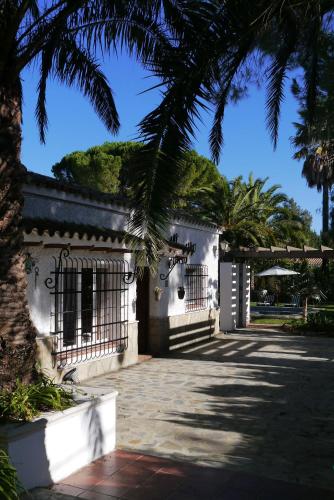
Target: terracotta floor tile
x=106, y=468
x=113, y=486
x=155, y=463
x=132, y=476
x=67, y=489
x=128, y=455
x=83, y=479
x=135, y=473
x=157, y=487
x=93, y=495
x=178, y=469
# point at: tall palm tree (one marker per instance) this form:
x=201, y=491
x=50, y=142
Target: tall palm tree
x=213, y=63
x=315, y=145
x=249, y=213
x=62, y=39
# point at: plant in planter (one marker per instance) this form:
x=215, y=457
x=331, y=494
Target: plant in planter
x=26, y=402
x=158, y=293
x=181, y=292
x=10, y=487
x=45, y=417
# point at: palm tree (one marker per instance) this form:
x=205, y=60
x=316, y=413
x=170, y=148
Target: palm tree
x=315, y=145
x=307, y=287
x=249, y=213
x=61, y=38
x=314, y=138
x=211, y=65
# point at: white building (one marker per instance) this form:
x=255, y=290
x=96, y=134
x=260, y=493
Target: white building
x=90, y=310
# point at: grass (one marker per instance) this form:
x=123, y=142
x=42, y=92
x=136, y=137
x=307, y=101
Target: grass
x=269, y=320
x=325, y=307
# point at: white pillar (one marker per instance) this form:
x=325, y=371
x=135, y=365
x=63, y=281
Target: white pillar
x=228, y=296
x=244, y=298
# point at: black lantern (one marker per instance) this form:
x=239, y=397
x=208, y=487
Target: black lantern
x=181, y=292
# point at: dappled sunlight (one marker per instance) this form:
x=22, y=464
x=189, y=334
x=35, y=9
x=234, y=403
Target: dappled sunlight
x=258, y=403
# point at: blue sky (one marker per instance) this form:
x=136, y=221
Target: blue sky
x=74, y=126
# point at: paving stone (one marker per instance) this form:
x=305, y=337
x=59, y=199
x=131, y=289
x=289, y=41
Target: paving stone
x=255, y=402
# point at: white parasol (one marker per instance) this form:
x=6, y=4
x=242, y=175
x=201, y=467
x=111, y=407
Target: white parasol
x=277, y=271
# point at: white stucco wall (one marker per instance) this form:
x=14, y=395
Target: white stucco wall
x=46, y=203
x=207, y=253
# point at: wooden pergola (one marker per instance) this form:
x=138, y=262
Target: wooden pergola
x=288, y=252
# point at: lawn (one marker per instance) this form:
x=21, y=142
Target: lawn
x=270, y=320
x=325, y=307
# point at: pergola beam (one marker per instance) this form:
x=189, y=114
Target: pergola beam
x=288, y=252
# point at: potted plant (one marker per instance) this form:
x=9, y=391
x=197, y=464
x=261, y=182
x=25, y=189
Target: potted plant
x=181, y=292
x=158, y=293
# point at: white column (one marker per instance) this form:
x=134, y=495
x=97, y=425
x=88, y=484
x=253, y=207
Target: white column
x=228, y=296
x=244, y=315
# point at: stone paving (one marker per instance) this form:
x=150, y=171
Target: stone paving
x=257, y=402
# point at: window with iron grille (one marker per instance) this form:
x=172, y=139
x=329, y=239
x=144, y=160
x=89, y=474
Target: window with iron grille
x=196, y=287
x=90, y=308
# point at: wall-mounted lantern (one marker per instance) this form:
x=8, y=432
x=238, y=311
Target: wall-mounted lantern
x=224, y=247
x=181, y=292
x=30, y=262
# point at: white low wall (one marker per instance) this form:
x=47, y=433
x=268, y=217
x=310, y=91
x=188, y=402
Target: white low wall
x=53, y=447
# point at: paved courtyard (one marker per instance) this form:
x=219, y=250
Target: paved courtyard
x=255, y=402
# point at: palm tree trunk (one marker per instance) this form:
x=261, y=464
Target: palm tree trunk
x=305, y=309
x=325, y=211
x=17, y=333
x=325, y=221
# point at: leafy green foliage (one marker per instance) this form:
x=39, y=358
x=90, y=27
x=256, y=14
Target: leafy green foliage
x=251, y=214
x=94, y=169
x=26, y=402
x=317, y=322
x=10, y=487
x=106, y=168
x=198, y=176
x=314, y=137
x=207, y=67
x=109, y=167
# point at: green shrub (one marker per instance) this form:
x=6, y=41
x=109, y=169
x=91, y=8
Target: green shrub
x=319, y=322
x=26, y=402
x=10, y=487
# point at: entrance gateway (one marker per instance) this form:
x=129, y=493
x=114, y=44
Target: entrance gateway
x=235, y=278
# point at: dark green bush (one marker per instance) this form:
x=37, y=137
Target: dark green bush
x=26, y=402
x=319, y=322
x=10, y=487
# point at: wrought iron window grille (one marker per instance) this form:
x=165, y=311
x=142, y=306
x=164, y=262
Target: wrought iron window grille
x=89, y=314
x=196, y=287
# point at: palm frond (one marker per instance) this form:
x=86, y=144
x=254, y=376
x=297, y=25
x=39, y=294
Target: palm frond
x=276, y=83
x=41, y=113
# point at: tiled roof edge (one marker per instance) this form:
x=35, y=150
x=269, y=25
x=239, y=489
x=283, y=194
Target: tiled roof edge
x=62, y=227
x=35, y=179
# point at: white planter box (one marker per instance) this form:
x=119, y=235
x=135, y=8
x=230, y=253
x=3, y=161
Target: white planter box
x=57, y=444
